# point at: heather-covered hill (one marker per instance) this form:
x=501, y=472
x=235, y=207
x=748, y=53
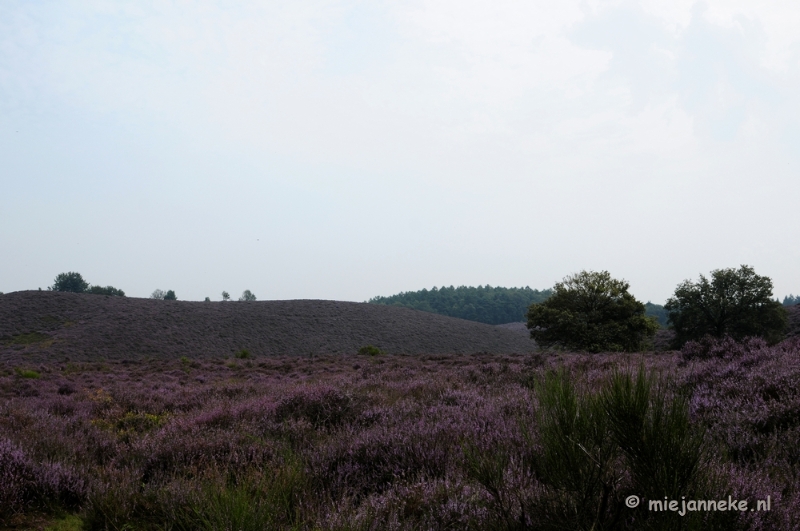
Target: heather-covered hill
x=50, y=325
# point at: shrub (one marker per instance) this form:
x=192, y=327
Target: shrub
x=25, y=482
x=370, y=350
x=591, y=311
x=632, y=436
x=735, y=302
x=247, y=296
x=27, y=373
x=108, y=290
x=726, y=347
x=243, y=354
x=70, y=282
x=163, y=295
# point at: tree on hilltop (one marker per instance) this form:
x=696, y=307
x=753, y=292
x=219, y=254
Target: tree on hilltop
x=247, y=296
x=70, y=282
x=107, y=290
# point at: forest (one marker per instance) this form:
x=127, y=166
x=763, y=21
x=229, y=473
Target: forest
x=485, y=304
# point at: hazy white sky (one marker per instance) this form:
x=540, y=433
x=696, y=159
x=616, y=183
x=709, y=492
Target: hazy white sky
x=345, y=149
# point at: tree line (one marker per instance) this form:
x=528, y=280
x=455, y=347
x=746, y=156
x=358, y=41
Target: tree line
x=591, y=311
x=485, y=304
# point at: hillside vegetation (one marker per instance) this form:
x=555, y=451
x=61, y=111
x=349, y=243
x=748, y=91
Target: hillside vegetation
x=484, y=304
x=48, y=325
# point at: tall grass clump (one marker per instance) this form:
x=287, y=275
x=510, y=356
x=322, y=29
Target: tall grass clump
x=592, y=448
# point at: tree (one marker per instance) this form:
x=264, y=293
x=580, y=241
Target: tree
x=170, y=296
x=247, y=296
x=591, y=311
x=485, y=304
x=158, y=294
x=226, y=296
x=71, y=282
x=207, y=300
x=735, y=302
x=107, y=290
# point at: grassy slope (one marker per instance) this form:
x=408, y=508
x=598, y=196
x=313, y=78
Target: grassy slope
x=48, y=325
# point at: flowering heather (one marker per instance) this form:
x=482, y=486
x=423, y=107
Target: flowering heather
x=338, y=442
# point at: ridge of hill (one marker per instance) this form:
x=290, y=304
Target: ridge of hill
x=46, y=325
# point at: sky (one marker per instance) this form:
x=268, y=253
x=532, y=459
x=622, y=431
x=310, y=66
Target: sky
x=325, y=149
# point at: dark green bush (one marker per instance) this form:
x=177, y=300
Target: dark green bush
x=27, y=373
x=107, y=290
x=590, y=450
x=370, y=350
x=243, y=354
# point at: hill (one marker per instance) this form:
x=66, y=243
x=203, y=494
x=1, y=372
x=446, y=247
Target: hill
x=44, y=325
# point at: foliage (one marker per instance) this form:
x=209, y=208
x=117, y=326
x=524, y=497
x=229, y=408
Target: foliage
x=68, y=523
x=789, y=300
x=30, y=338
x=630, y=436
x=27, y=373
x=735, y=302
x=226, y=296
x=657, y=311
x=70, y=282
x=163, y=295
x=405, y=442
x=107, y=290
x=593, y=312
x=243, y=354
x=485, y=304
x=247, y=296
x=207, y=299
x=370, y=350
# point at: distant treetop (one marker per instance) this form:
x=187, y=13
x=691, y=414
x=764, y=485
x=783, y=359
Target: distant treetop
x=791, y=300
x=73, y=283
x=247, y=296
x=485, y=304
x=70, y=282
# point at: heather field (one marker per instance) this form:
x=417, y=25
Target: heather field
x=357, y=442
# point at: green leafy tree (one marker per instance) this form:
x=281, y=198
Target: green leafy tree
x=107, y=290
x=247, y=296
x=170, y=296
x=735, y=302
x=158, y=294
x=657, y=311
x=71, y=282
x=593, y=312
x=226, y=296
